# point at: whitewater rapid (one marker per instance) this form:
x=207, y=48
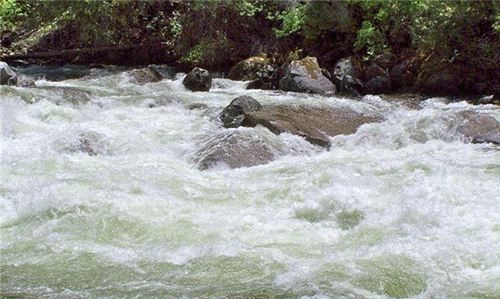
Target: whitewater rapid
x=405, y=208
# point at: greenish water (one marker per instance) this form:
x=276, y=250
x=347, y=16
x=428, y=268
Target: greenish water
x=401, y=209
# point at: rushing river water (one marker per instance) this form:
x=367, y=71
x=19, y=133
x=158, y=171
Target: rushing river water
x=405, y=208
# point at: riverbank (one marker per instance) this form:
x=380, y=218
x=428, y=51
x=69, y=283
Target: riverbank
x=427, y=47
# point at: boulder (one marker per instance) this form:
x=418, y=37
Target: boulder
x=347, y=75
x=233, y=114
x=439, y=82
x=236, y=149
x=403, y=74
x=315, y=124
x=198, y=79
x=252, y=68
x=145, y=75
x=379, y=84
x=305, y=75
x=7, y=75
x=374, y=70
x=478, y=128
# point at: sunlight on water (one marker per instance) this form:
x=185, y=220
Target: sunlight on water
x=100, y=197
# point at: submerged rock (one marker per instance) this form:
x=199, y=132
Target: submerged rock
x=91, y=143
x=145, y=75
x=26, y=82
x=72, y=95
x=236, y=149
x=7, y=75
x=198, y=79
x=305, y=75
x=197, y=106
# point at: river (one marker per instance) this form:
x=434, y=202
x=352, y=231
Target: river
x=405, y=208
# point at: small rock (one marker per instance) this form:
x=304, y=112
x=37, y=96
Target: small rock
x=26, y=82
x=91, y=143
x=196, y=106
x=347, y=75
x=198, y=79
x=252, y=68
x=486, y=100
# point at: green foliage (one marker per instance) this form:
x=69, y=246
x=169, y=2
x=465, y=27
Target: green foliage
x=10, y=12
x=292, y=20
x=327, y=17
x=370, y=38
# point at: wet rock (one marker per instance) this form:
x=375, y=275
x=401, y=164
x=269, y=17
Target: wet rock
x=491, y=99
x=315, y=124
x=379, y=84
x=72, y=95
x=7, y=75
x=305, y=75
x=26, y=82
x=347, y=75
x=260, y=84
x=252, y=68
x=145, y=75
x=478, y=128
x=198, y=79
x=233, y=114
x=197, y=106
x=236, y=149
x=91, y=143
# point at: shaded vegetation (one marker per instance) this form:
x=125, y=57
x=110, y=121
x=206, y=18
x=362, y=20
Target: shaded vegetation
x=217, y=34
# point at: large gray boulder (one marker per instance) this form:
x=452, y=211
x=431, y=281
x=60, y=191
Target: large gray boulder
x=7, y=75
x=315, y=124
x=236, y=149
x=233, y=115
x=348, y=75
x=305, y=75
x=198, y=79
